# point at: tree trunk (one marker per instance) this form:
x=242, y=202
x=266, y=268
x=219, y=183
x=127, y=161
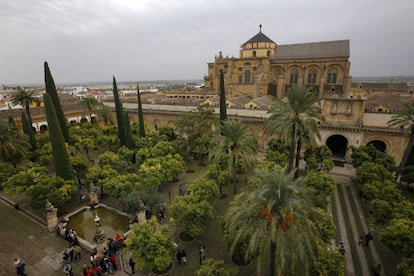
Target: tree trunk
x=272, y=258
x=292, y=148
x=406, y=155
x=297, y=159
x=234, y=173
x=29, y=115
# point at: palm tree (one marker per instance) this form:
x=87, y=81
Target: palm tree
x=25, y=98
x=89, y=103
x=405, y=120
x=12, y=145
x=295, y=116
x=270, y=218
x=241, y=146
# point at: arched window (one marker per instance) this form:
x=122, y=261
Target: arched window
x=247, y=76
x=294, y=76
x=268, y=53
x=312, y=76
x=331, y=78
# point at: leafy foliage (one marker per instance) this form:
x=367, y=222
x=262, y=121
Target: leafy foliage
x=215, y=267
x=150, y=245
x=399, y=236
x=39, y=187
x=321, y=186
x=369, y=172
x=369, y=153
x=329, y=262
x=222, y=177
x=192, y=215
x=204, y=189
x=241, y=146
x=109, y=159
x=319, y=158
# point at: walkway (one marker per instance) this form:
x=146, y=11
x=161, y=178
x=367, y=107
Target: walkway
x=351, y=223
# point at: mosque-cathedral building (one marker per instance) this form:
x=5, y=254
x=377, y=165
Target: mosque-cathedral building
x=355, y=114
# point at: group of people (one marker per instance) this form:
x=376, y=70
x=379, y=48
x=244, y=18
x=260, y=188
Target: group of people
x=73, y=251
x=108, y=262
x=69, y=234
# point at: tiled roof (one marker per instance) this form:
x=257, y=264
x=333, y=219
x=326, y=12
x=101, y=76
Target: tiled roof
x=392, y=102
x=384, y=86
x=264, y=101
x=239, y=102
x=326, y=49
x=259, y=37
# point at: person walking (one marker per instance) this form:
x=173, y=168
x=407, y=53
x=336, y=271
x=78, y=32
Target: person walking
x=77, y=252
x=183, y=256
x=19, y=265
x=132, y=265
x=368, y=237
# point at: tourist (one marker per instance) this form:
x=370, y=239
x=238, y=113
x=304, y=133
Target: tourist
x=183, y=256
x=342, y=249
x=368, y=238
x=89, y=271
x=71, y=252
x=77, y=252
x=132, y=265
x=179, y=256
x=376, y=269
x=65, y=256
x=109, y=267
x=67, y=269
x=98, y=270
x=19, y=265
x=360, y=240
x=202, y=253
x=84, y=270
x=112, y=259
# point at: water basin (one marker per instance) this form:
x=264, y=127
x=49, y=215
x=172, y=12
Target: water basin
x=112, y=221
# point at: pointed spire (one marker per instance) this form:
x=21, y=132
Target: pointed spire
x=260, y=28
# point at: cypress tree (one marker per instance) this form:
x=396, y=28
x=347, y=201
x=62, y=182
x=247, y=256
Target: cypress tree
x=51, y=90
x=140, y=115
x=119, y=114
x=61, y=159
x=128, y=133
x=223, y=109
x=28, y=130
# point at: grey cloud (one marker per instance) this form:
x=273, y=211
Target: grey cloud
x=171, y=39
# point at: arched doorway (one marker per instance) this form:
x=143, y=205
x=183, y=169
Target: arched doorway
x=379, y=145
x=338, y=144
x=43, y=128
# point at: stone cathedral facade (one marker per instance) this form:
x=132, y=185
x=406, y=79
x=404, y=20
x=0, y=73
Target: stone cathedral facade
x=355, y=114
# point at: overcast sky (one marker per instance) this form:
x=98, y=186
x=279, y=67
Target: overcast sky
x=136, y=40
